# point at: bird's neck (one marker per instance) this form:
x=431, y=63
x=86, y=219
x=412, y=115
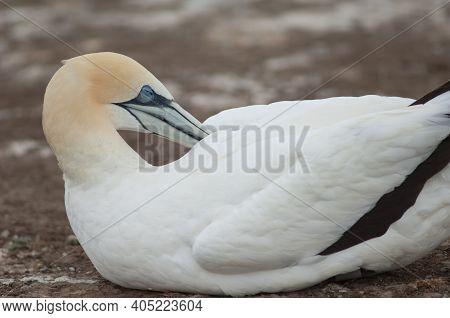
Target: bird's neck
x=90, y=161
x=88, y=147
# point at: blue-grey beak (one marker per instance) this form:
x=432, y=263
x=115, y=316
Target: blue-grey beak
x=165, y=118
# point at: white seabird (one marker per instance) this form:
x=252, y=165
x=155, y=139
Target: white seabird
x=377, y=195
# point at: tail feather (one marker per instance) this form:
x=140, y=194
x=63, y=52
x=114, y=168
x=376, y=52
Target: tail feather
x=391, y=206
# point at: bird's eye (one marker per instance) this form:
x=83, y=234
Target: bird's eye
x=146, y=94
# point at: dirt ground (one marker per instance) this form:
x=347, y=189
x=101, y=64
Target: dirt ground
x=212, y=55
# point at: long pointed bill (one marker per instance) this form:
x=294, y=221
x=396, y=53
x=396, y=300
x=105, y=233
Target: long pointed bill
x=168, y=120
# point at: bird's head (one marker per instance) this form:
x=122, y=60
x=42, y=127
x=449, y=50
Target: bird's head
x=109, y=88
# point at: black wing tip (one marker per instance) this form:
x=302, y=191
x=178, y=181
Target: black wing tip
x=392, y=205
x=438, y=91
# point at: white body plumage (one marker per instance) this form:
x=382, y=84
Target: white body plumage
x=237, y=233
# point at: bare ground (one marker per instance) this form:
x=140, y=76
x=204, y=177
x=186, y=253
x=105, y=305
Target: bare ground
x=212, y=56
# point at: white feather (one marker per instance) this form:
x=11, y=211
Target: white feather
x=237, y=233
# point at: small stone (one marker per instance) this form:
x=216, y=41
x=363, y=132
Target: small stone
x=72, y=240
x=4, y=234
x=72, y=269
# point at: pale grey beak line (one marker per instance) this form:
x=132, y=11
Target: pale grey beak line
x=152, y=118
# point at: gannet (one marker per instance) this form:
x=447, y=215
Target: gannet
x=371, y=195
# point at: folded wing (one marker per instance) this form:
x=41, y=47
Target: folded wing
x=353, y=164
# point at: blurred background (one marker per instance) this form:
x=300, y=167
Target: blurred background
x=212, y=55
